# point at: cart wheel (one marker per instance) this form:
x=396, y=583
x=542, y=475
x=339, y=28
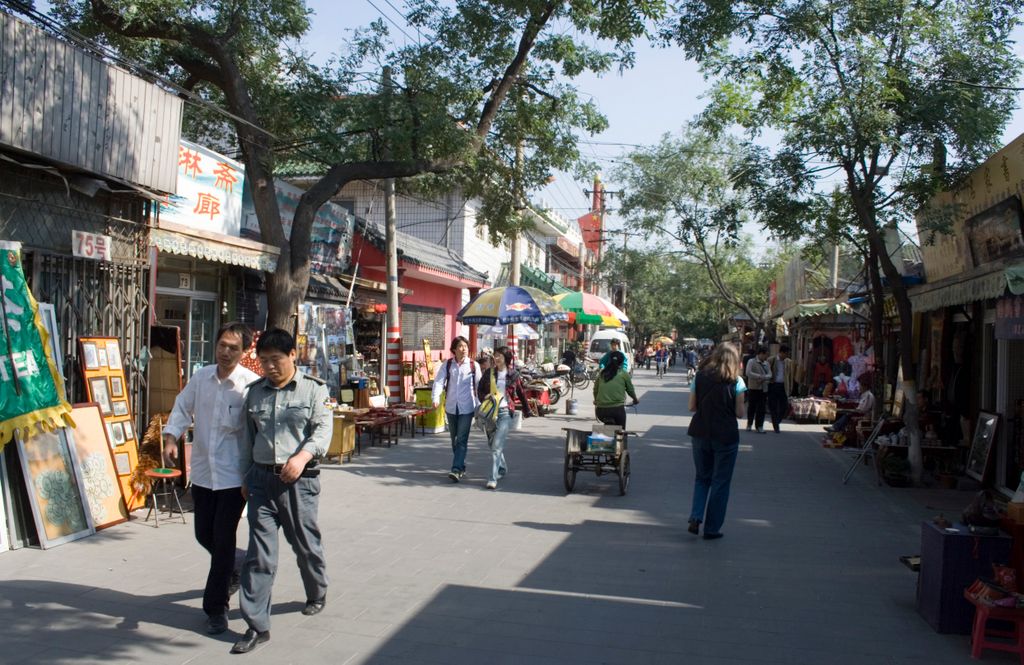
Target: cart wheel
x=623, y=472
x=569, y=473
x=554, y=395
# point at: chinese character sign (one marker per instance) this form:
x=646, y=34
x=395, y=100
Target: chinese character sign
x=209, y=192
x=31, y=389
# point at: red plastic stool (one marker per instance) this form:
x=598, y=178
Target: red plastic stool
x=980, y=636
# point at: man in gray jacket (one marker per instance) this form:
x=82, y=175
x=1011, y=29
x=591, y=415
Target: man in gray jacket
x=288, y=429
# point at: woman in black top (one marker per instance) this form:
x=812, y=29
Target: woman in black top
x=716, y=401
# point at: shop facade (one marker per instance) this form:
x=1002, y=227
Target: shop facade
x=971, y=343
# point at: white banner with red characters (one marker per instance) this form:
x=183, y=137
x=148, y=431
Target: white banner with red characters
x=209, y=196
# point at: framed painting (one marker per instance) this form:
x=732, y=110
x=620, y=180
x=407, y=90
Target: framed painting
x=116, y=387
x=99, y=476
x=49, y=318
x=113, y=354
x=101, y=353
x=54, y=482
x=98, y=392
x=122, y=464
x=981, y=445
x=118, y=431
x=120, y=407
x=129, y=434
x=4, y=502
x=90, y=357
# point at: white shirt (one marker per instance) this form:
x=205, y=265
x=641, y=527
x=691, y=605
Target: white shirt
x=502, y=381
x=219, y=431
x=460, y=394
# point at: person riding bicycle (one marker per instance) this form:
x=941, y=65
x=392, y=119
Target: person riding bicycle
x=661, y=359
x=610, y=390
x=614, y=348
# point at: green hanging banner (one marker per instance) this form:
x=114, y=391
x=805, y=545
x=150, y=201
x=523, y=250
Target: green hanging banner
x=31, y=388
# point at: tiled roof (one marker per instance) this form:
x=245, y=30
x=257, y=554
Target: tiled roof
x=420, y=251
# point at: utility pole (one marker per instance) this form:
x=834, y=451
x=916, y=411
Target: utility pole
x=393, y=359
x=514, y=270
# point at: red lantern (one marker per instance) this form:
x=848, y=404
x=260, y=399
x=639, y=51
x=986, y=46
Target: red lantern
x=380, y=307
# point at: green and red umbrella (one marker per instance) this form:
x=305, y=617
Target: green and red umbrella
x=592, y=309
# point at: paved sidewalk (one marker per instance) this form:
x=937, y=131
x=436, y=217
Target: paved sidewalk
x=426, y=571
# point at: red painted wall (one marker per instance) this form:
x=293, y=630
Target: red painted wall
x=426, y=294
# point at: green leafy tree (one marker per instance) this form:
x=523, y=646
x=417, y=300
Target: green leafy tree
x=682, y=189
x=490, y=75
x=894, y=99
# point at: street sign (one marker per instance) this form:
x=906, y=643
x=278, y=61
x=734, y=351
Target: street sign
x=91, y=246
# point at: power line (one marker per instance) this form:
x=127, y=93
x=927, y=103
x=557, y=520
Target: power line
x=392, y=21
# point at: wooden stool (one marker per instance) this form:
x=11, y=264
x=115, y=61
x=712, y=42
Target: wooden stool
x=160, y=477
x=981, y=633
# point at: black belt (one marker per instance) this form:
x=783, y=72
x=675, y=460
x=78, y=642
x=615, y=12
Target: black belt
x=276, y=470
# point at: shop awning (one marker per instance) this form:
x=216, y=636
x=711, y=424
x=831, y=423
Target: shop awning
x=232, y=251
x=959, y=290
x=815, y=309
x=336, y=287
x=538, y=279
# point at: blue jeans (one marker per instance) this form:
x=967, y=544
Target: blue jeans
x=714, y=463
x=458, y=427
x=496, y=442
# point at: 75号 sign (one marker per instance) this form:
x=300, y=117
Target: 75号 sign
x=91, y=246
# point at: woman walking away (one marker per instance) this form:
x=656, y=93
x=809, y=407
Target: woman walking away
x=610, y=389
x=504, y=383
x=716, y=401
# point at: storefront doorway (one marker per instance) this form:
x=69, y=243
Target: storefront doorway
x=195, y=314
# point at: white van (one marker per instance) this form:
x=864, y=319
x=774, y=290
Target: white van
x=600, y=344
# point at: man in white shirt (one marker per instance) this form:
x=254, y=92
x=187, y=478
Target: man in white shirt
x=214, y=399
x=457, y=379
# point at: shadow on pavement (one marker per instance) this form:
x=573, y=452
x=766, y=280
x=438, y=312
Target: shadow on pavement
x=60, y=622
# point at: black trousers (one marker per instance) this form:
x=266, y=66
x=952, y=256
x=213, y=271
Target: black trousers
x=611, y=415
x=216, y=516
x=756, y=400
x=778, y=403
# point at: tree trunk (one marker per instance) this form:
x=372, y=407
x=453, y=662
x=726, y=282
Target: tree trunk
x=877, y=315
x=285, y=292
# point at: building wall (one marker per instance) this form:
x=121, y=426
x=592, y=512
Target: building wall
x=67, y=105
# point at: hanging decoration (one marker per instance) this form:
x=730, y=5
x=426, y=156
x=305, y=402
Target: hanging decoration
x=31, y=388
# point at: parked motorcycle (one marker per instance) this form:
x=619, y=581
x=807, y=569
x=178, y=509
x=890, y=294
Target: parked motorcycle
x=552, y=378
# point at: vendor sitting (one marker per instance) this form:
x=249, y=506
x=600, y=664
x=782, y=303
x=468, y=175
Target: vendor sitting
x=865, y=406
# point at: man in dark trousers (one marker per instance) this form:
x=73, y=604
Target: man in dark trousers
x=288, y=429
x=213, y=400
x=780, y=385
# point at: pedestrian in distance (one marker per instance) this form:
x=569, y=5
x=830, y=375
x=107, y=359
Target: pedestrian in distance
x=504, y=383
x=661, y=359
x=211, y=403
x=780, y=386
x=458, y=379
x=288, y=430
x=610, y=390
x=648, y=356
x=716, y=401
x=614, y=346
x=757, y=372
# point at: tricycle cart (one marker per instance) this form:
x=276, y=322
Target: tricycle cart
x=603, y=449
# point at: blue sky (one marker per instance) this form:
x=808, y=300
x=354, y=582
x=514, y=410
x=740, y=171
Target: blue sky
x=657, y=96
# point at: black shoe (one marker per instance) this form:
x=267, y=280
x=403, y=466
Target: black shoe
x=694, y=527
x=235, y=583
x=250, y=641
x=216, y=624
x=712, y=536
x=314, y=606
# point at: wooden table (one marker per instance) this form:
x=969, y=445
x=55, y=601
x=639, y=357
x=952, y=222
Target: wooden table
x=885, y=449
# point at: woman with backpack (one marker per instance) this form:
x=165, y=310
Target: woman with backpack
x=716, y=401
x=458, y=379
x=502, y=386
